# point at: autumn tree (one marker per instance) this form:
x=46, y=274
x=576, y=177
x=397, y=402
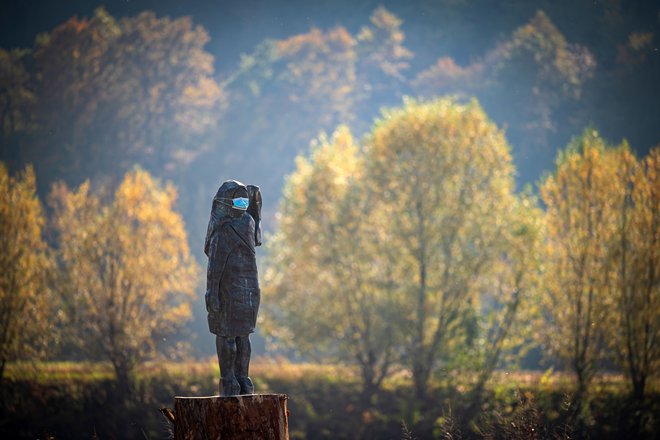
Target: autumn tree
x=16, y=100
x=510, y=289
x=128, y=278
x=110, y=93
x=635, y=267
x=580, y=220
x=302, y=85
x=26, y=301
x=441, y=174
x=381, y=64
x=524, y=82
x=329, y=288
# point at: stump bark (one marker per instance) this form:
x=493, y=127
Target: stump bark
x=254, y=416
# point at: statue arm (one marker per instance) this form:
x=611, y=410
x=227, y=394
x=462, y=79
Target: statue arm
x=254, y=209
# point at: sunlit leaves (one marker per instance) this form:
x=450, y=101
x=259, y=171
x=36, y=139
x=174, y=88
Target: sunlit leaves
x=127, y=272
x=635, y=265
x=27, y=308
x=598, y=254
x=441, y=173
x=330, y=292
x=388, y=251
x=302, y=274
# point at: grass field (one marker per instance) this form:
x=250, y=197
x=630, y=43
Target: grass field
x=79, y=400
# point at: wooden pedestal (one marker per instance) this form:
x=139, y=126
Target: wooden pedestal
x=255, y=416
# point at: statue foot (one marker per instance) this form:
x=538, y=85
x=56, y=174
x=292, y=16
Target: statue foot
x=230, y=387
x=247, y=387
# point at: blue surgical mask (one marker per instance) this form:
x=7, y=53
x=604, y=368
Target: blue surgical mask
x=241, y=203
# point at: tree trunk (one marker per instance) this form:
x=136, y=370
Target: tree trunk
x=421, y=376
x=124, y=377
x=638, y=388
x=254, y=416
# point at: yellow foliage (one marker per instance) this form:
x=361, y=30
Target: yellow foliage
x=129, y=274
x=26, y=304
x=440, y=172
x=389, y=249
x=602, y=258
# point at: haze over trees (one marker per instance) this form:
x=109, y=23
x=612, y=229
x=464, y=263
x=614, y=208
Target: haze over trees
x=103, y=94
x=422, y=252
x=543, y=71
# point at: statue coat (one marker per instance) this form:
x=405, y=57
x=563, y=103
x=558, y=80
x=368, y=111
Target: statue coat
x=232, y=292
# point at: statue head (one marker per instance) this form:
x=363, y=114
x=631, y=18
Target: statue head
x=232, y=200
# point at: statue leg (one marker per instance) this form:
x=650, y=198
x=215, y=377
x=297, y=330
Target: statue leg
x=244, y=350
x=226, y=348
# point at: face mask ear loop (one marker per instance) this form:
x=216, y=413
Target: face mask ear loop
x=222, y=200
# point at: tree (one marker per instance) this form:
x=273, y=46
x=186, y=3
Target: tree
x=635, y=264
x=16, y=99
x=328, y=287
x=441, y=174
x=527, y=82
x=303, y=85
x=26, y=302
x=112, y=93
x=128, y=275
x=580, y=223
x=381, y=62
x=511, y=288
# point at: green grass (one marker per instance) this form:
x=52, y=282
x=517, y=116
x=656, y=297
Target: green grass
x=80, y=399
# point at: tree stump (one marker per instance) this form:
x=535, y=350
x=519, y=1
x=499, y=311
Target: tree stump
x=253, y=416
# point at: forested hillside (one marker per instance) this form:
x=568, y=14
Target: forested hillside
x=249, y=84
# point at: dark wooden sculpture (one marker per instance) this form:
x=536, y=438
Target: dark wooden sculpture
x=232, y=290
x=232, y=302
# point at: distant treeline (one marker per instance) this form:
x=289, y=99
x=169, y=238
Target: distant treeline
x=94, y=96
x=97, y=95
x=410, y=251
x=399, y=243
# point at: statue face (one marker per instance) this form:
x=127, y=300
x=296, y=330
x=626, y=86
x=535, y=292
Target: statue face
x=239, y=193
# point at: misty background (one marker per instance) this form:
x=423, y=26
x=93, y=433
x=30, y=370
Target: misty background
x=198, y=92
